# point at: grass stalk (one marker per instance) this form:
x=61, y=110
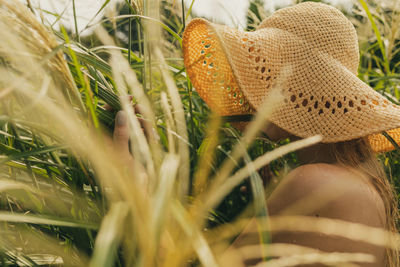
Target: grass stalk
x=199, y=243
x=259, y=203
x=148, y=20
x=171, y=127
x=189, y=87
x=107, y=242
x=21, y=147
x=75, y=21
x=140, y=44
x=135, y=224
x=183, y=15
x=179, y=114
x=391, y=140
x=130, y=33
x=46, y=220
x=378, y=36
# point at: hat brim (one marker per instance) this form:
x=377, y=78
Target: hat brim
x=233, y=70
x=210, y=71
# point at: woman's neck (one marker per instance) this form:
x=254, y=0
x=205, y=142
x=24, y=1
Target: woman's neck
x=319, y=153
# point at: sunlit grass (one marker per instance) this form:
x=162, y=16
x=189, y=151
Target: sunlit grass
x=68, y=196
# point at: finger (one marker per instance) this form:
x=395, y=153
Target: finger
x=149, y=130
x=121, y=132
x=138, y=108
x=110, y=108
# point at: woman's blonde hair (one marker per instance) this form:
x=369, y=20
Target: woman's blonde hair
x=358, y=155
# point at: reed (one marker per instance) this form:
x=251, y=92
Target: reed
x=69, y=197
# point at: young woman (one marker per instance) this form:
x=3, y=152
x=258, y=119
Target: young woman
x=308, y=56
x=342, y=180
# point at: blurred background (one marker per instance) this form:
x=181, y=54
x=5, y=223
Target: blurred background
x=66, y=196
x=229, y=12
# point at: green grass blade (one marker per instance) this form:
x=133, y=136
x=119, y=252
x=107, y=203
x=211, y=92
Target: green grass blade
x=106, y=117
x=391, y=140
x=182, y=28
x=260, y=204
x=75, y=21
x=105, y=94
x=95, y=62
x=97, y=13
x=22, y=166
x=163, y=25
x=85, y=86
x=378, y=35
x=19, y=155
x=130, y=33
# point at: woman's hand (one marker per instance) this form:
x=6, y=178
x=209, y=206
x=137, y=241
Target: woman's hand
x=121, y=134
x=121, y=144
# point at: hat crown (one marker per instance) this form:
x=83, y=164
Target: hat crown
x=322, y=26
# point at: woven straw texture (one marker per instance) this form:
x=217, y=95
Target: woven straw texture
x=233, y=71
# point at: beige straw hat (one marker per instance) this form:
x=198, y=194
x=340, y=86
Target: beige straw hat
x=233, y=72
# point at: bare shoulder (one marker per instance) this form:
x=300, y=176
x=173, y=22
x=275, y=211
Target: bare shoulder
x=331, y=191
x=321, y=173
x=314, y=176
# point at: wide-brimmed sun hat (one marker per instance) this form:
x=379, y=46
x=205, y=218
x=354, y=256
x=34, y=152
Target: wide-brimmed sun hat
x=233, y=72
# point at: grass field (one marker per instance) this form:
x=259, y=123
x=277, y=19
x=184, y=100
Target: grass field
x=69, y=198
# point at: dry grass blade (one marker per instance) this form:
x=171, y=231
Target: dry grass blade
x=334, y=227
x=124, y=77
x=275, y=250
x=7, y=184
x=180, y=123
x=290, y=255
x=164, y=193
x=199, y=243
x=156, y=227
x=55, y=117
x=171, y=127
x=20, y=27
x=330, y=259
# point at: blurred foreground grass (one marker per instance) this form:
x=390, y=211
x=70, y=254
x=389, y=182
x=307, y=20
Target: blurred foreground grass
x=68, y=198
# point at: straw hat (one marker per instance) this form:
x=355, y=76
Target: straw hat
x=233, y=72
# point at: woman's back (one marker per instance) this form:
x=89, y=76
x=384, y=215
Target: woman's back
x=324, y=191
x=329, y=191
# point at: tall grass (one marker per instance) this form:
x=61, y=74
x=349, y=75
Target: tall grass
x=68, y=196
